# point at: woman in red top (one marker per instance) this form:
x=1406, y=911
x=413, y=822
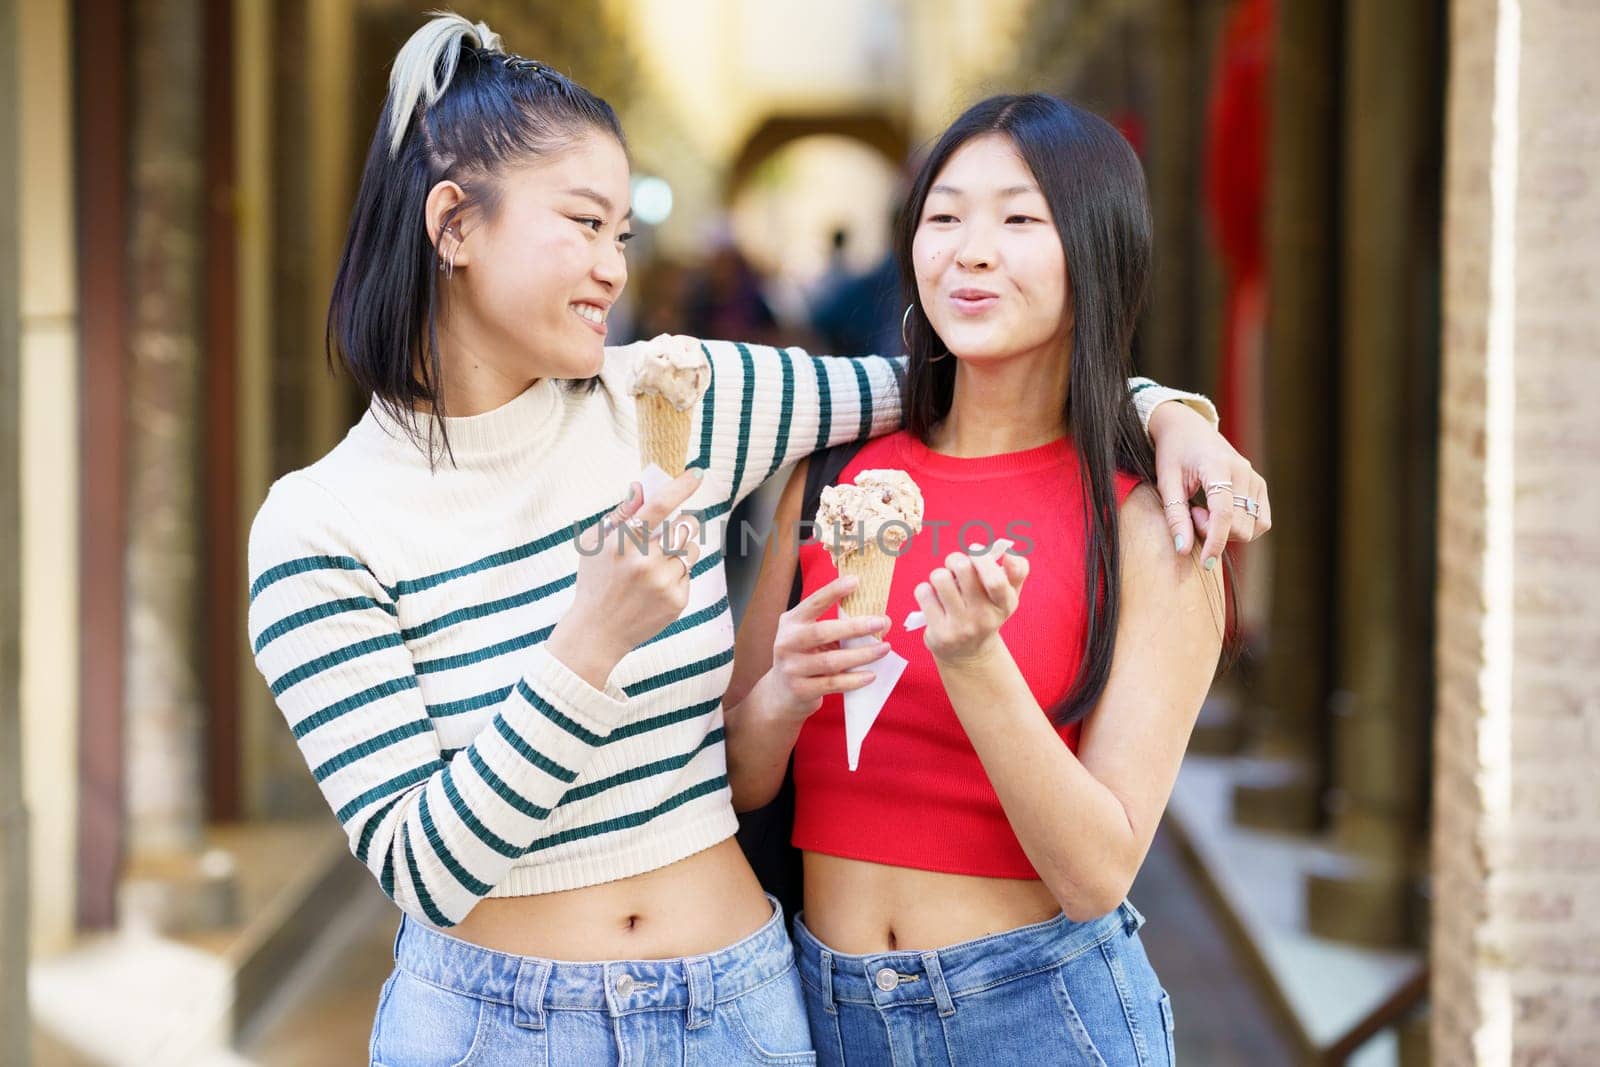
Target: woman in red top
x=965, y=886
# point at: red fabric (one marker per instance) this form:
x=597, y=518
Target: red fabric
x=1238, y=143
x=1236, y=164
x=920, y=796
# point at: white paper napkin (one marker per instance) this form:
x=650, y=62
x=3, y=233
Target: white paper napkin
x=652, y=480
x=861, y=706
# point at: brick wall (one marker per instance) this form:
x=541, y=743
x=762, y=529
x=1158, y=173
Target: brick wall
x=1516, y=927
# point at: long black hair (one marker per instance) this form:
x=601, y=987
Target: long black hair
x=1095, y=187
x=458, y=108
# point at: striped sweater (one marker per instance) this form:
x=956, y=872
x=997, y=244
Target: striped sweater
x=399, y=613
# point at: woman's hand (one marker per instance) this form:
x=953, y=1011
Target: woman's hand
x=1192, y=457
x=966, y=601
x=807, y=662
x=633, y=577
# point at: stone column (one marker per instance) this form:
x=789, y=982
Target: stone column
x=166, y=884
x=312, y=84
x=14, y=1026
x=1388, y=401
x=1167, y=353
x=1516, y=834
x=1301, y=379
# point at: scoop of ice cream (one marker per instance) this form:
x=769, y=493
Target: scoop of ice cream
x=673, y=368
x=882, y=507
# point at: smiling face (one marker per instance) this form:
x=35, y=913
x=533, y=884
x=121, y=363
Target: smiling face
x=537, y=274
x=991, y=273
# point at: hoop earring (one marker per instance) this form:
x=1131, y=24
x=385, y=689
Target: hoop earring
x=447, y=265
x=907, y=341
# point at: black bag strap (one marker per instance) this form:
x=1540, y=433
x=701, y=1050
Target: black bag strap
x=824, y=469
x=765, y=832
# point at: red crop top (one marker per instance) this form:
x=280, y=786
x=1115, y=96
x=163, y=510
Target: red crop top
x=920, y=796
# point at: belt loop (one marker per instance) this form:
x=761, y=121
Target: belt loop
x=702, y=992
x=941, y=991
x=1132, y=920
x=527, y=998
x=826, y=963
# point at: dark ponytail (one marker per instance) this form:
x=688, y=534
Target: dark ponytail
x=458, y=109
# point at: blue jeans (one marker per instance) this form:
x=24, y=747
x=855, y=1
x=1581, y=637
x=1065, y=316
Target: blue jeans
x=1058, y=992
x=451, y=1002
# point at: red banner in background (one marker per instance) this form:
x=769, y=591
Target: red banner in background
x=1236, y=189
x=1237, y=145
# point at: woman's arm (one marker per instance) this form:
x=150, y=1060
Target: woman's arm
x=437, y=835
x=768, y=407
x=758, y=740
x=1192, y=458
x=785, y=661
x=752, y=648
x=1085, y=820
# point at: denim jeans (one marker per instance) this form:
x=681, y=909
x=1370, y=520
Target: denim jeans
x=451, y=1002
x=1059, y=992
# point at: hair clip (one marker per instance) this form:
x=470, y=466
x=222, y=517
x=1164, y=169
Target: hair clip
x=522, y=64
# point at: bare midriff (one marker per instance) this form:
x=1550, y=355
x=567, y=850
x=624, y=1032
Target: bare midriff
x=859, y=908
x=696, y=906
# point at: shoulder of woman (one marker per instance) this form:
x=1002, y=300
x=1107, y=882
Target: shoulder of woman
x=302, y=515
x=1142, y=526
x=1147, y=550
x=1148, y=558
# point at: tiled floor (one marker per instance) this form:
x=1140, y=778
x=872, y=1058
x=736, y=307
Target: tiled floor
x=1221, y=1021
x=1260, y=877
x=326, y=1020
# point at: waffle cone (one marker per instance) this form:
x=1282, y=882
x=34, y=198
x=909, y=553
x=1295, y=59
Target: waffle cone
x=874, y=570
x=663, y=434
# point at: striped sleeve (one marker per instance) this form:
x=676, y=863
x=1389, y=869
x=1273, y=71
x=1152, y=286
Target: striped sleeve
x=1149, y=395
x=768, y=407
x=437, y=835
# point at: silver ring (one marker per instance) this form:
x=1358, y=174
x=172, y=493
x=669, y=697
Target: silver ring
x=1219, y=487
x=683, y=558
x=1175, y=504
x=1249, y=506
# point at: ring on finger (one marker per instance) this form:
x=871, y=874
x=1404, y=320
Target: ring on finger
x=1250, y=507
x=1175, y=504
x=1219, y=487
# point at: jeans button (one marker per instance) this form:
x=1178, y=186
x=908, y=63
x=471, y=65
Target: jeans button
x=624, y=985
x=888, y=979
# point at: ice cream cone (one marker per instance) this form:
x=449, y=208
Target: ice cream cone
x=874, y=571
x=670, y=377
x=663, y=433
x=865, y=526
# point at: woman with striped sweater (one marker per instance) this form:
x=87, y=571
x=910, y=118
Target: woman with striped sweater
x=513, y=709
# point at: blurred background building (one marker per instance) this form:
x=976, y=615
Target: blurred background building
x=1375, y=247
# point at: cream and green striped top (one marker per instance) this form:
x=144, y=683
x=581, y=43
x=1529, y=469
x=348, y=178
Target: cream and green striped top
x=399, y=614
